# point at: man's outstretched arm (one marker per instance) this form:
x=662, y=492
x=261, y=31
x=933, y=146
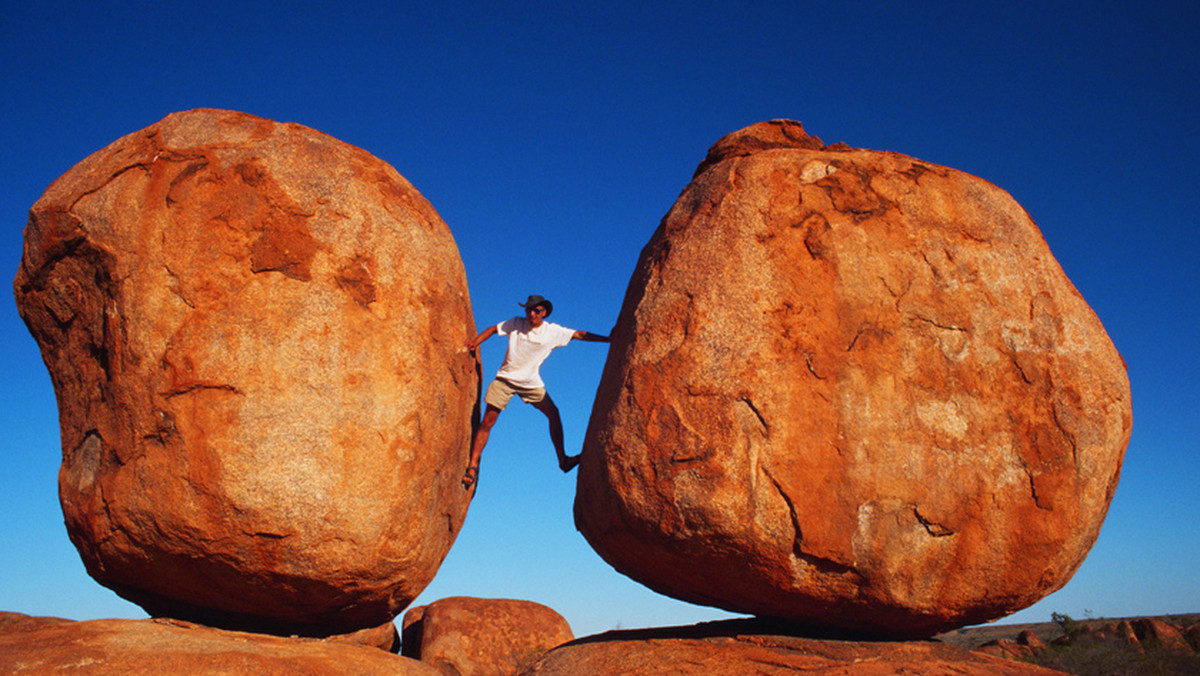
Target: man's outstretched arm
x=490, y=331
x=591, y=337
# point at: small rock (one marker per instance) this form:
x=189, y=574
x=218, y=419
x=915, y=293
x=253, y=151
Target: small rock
x=462, y=636
x=385, y=637
x=1126, y=634
x=1028, y=638
x=1006, y=649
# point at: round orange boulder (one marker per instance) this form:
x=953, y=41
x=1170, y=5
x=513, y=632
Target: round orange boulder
x=255, y=337
x=483, y=637
x=851, y=389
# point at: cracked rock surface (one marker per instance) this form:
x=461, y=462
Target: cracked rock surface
x=740, y=647
x=47, y=645
x=254, y=333
x=851, y=389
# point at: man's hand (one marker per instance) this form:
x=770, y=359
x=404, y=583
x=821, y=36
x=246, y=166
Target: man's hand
x=473, y=345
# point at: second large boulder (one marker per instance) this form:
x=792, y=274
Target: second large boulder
x=852, y=389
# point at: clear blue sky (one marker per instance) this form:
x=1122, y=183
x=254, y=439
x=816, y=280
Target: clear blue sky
x=553, y=136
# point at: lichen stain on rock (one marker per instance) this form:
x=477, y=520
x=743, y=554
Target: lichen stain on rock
x=245, y=197
x=286, y=246
x=356, y=280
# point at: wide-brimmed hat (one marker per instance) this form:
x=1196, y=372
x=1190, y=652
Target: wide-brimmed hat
x=536, y=300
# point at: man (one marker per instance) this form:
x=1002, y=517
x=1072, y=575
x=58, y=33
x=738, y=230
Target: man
x=530, y=340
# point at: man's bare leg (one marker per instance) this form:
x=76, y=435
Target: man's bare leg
x=565, y=462
x=477, y=443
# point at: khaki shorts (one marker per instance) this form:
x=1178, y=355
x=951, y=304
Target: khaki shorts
x=500, y=391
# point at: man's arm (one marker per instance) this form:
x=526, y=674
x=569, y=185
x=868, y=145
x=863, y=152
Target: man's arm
x=591, y=337
x=473, y=345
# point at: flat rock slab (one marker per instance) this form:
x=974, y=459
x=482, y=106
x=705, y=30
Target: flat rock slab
x=737, y=647
x=156, y=647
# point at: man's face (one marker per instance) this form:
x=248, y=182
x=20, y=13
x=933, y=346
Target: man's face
x=536, y=315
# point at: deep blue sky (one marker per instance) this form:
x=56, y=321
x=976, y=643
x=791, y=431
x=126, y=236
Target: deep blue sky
x=553, y=136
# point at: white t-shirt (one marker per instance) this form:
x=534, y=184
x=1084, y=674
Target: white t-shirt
x=528, y=348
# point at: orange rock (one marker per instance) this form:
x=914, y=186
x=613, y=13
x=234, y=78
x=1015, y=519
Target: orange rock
x=737, y=648
x=1006, y=649
x=255, y=337
x=482, y=637
x=1125, y=633
x=853, y=389
x=384, y=637
x=1192, y=635
x=1154, y=633
x=156, y=647
x=1031, y=640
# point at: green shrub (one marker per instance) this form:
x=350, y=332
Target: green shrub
x=1070, y=628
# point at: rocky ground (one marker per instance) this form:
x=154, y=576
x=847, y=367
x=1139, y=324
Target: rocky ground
x=1136, y=646
x=973, y=637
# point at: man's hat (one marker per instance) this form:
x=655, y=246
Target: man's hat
x=536, y=300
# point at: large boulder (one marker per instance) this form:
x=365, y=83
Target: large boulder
x=156, y=647
x=853, y=389
x=464, y=636
x=254, y=332
x=739, y=647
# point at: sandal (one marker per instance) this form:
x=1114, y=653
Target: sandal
x=470, y=476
